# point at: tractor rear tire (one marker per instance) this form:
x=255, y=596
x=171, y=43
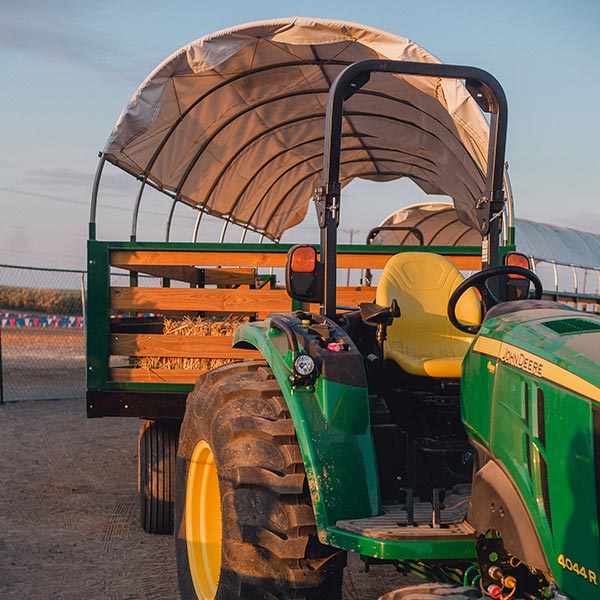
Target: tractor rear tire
x=244, y=523
x=434, y=591
x=157, y=452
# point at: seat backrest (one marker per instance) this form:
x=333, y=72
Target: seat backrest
x=422, y=283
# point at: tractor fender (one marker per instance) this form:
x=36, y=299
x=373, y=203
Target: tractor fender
x=497, y=504
x=332, y=424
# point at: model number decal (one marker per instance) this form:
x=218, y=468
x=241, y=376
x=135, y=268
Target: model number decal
x=568, y=565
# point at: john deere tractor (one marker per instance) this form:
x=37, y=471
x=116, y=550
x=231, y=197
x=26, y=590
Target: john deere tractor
x=452, y=426
x=448, y=425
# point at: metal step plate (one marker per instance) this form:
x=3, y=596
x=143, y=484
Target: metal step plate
x=392, y=524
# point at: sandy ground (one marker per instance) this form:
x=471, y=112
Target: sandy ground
x=42, y=363
x=68, y=513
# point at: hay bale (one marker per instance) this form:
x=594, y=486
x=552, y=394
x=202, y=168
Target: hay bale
x=193, y=326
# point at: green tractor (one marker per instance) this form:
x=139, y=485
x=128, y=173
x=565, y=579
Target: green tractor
x=451, y=427
x=452, y=432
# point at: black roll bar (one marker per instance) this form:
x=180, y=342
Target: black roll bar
x=414, y=230
x=490, y=97
x=373, y=234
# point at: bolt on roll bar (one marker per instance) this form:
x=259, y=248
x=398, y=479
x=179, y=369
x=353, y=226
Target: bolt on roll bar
x=490, y=97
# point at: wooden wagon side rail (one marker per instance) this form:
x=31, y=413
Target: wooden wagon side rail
x=185, y=346
x=142, y=375
x=220, y=280
x=198, y=276
x=199, y=299
x=139, y=346
x=226, y=301
x=135, y=259
x=138, y=259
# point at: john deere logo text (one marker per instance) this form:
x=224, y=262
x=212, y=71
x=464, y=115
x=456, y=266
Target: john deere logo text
x=521, y=360
x=530, y=363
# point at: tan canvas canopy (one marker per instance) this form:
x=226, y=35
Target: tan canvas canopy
x=232, y=123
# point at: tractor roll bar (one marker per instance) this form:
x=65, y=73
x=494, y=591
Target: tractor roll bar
x=414, y=230
x=490, y=97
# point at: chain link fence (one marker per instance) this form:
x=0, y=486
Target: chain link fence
x=42, y=334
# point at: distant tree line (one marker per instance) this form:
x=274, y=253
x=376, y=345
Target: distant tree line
x=40, y=300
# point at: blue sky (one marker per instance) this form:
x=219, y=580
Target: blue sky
x=70, y=66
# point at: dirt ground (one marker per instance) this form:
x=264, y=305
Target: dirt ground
x=68, y=513
x=42, y=362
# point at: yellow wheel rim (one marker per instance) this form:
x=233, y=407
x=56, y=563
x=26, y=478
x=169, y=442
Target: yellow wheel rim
x=203, y=526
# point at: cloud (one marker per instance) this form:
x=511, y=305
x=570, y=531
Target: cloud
x=60, y=176
x=113, y=182
x=41, y=195
x=126, y=207
x=54, y=30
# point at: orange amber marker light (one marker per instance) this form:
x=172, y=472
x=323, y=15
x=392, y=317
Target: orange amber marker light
x=516, y=259
x=304, y=260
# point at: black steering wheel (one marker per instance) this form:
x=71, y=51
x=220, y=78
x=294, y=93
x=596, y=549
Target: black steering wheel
x=479, y=281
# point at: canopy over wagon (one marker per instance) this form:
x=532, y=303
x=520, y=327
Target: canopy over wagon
x=232, y=123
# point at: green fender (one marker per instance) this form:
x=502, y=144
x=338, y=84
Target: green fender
x=332, y=423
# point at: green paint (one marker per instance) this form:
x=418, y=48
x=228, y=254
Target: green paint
x=511, y=236
x=515, y=414
x=97, y=334
x=332, y=426
x=400, y=549
x=333, y=430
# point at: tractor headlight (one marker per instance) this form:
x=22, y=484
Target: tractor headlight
x=304, y=365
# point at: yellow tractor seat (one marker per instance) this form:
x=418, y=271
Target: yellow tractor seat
x=422, y=341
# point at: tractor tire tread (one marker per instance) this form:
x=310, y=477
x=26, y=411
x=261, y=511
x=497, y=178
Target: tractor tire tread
x=268, y=520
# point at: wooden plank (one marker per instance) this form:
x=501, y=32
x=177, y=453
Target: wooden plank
x=126, y=374
x=198, y=299
x=192, y=346
x=229, y=276
x=362, y=261
x=378, y=261
x=225, y=301
x=137, y=258
x=466, y=263
x=194, y=275
x=353, y=296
